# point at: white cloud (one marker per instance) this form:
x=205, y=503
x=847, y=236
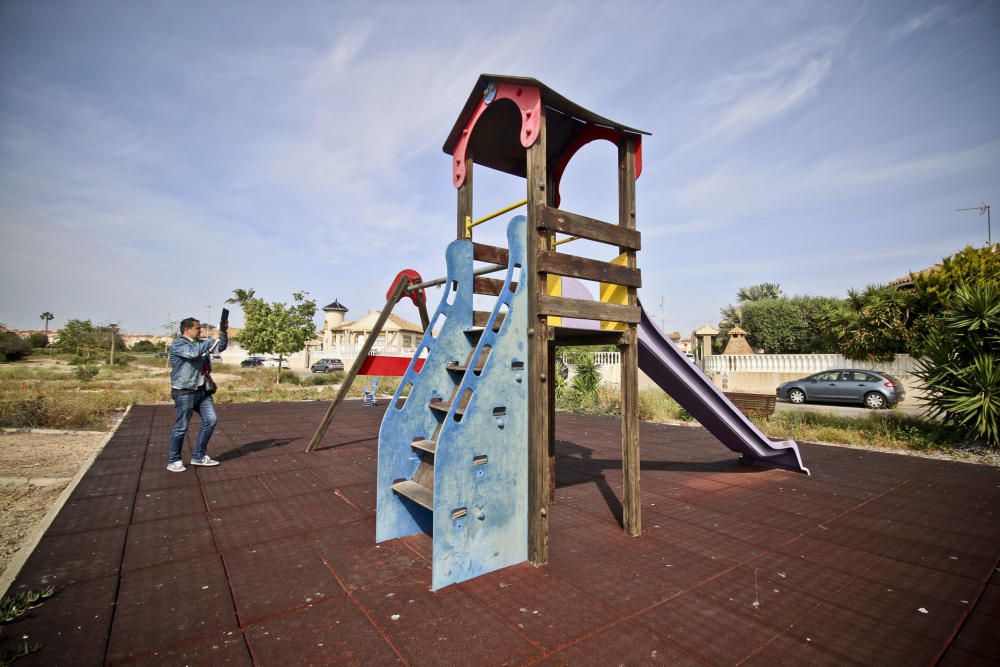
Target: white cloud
x=928, y=19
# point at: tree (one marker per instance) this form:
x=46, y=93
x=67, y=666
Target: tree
x=143, y=346
x=38, y=340
x=732, y=316
x=241, y=296
x=961, y=363
x=277, y=328
x=789, y=325
x=873, y=325
x=81, y=335
x=13, y=347
x=48, y=317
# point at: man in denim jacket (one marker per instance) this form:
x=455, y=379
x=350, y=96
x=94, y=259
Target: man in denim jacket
x=190, y=359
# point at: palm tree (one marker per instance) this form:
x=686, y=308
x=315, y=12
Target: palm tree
x=241, y=296
x=48, y=317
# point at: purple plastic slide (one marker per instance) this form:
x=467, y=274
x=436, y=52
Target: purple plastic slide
x=668, y=367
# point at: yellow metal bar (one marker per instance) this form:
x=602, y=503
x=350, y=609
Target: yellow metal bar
x=470, y=225
x=572, y=238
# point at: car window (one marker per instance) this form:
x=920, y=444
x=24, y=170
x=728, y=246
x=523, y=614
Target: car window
x=855, y=376
x=873, y=378
x=826, y=377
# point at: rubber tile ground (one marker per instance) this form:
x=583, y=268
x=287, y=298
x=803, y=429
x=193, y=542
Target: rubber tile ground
x=270, y=559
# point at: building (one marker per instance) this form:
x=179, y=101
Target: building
x=398, y=335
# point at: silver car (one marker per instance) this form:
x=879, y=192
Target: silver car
x=873, y=389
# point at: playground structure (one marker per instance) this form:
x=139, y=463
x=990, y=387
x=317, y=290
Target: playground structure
x=466, y=447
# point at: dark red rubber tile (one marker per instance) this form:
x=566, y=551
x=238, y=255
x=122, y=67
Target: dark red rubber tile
x=862, y=639
x=106, y=485
x=224, y=648
x=935, y=584
x=272, y=463
x=332, y=632
x=162, y=503
x=697, y=624
x=118, y=466
x=536, y=603
x=979, y=635
x=277, y=576
x=345, y=473
x=92, y=514
x=786, y=651
x=952, y=561
x=756, y=596
x=626, y=585
x=318, y=510
x=249, y=524
x=407, y=603
x=233, y=492
x=162, y=605
x=72, y=626
x=828, y=555
x=292, y=483
x=624, y=644
x=360, y=566
x=362, y=496
x=155, y=476
x=475, y=637
x=958, y=657
x=422, y=544
x=169, y=540
x=228, y=468
x=894, y=606
x=70, y=558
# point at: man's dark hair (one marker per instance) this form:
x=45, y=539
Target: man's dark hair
x=187, y=323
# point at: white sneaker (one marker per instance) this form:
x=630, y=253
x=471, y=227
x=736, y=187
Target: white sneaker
x=176, y=466
x=204, y=461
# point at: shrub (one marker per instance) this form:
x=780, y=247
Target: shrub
x=38, y=340
x=85, y=373
x=143, y=347
x=961, y=364
x=336, y=377
x=13, y=347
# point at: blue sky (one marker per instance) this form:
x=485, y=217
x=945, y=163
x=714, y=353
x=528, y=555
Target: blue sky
x=154, y=156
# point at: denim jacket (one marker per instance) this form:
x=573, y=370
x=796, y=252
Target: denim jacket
x=189, y=357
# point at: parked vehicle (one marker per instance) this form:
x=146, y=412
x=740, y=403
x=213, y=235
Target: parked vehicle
x=873, y=389
x=327, y=366
x=216, y=357
x=161, y=355
x=273, y=362
x=252, y=362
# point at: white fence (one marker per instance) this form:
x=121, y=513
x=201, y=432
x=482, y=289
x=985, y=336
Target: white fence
x=801, y=363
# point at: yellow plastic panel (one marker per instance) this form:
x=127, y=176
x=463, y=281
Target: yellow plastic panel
x=616, y=294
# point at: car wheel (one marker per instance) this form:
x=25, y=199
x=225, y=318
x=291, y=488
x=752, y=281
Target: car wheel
x=874, y=400
x=797, y=396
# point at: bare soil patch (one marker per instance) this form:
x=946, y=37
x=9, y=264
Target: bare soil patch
x=35, y=467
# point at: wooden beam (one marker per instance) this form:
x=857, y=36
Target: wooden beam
x=588, y=269
x=632, y=503
x=556, y=220
x=489, y=286
x=359, y=360
x=538, y=352
x=490, y=253
x=465, y=196
x=587, y=310
x=575, y=337
x=480, y=318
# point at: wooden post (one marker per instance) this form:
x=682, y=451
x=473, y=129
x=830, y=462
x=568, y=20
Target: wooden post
x=345, y=386
x=538, y=357
x=464, y=196
x=632, y=504
x=552, y=421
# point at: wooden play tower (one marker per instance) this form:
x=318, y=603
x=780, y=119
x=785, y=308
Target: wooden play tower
x=522, y=127
x=466, y=448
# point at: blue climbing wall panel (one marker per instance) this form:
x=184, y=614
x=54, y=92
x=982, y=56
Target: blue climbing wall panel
x=480, y=461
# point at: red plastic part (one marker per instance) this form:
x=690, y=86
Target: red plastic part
x=413, y=278
x=593, y=133
x=528, y=100
x=388, y=366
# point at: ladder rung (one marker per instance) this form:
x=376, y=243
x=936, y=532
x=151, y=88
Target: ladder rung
x=455, y=366
x=441, y=406
x=419, y=494
x=429, y=446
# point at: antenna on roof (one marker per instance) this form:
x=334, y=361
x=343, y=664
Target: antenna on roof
x=983, y=208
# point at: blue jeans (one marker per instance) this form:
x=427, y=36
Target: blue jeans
x=184, y=405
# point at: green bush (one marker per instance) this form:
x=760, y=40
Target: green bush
x=38, y=340
x=85, y=373
x=336, y=377
x=13, y=347
x=144, y=347
x=961, y=364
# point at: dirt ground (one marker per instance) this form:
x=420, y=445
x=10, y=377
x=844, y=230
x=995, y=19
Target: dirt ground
x=35, y=467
